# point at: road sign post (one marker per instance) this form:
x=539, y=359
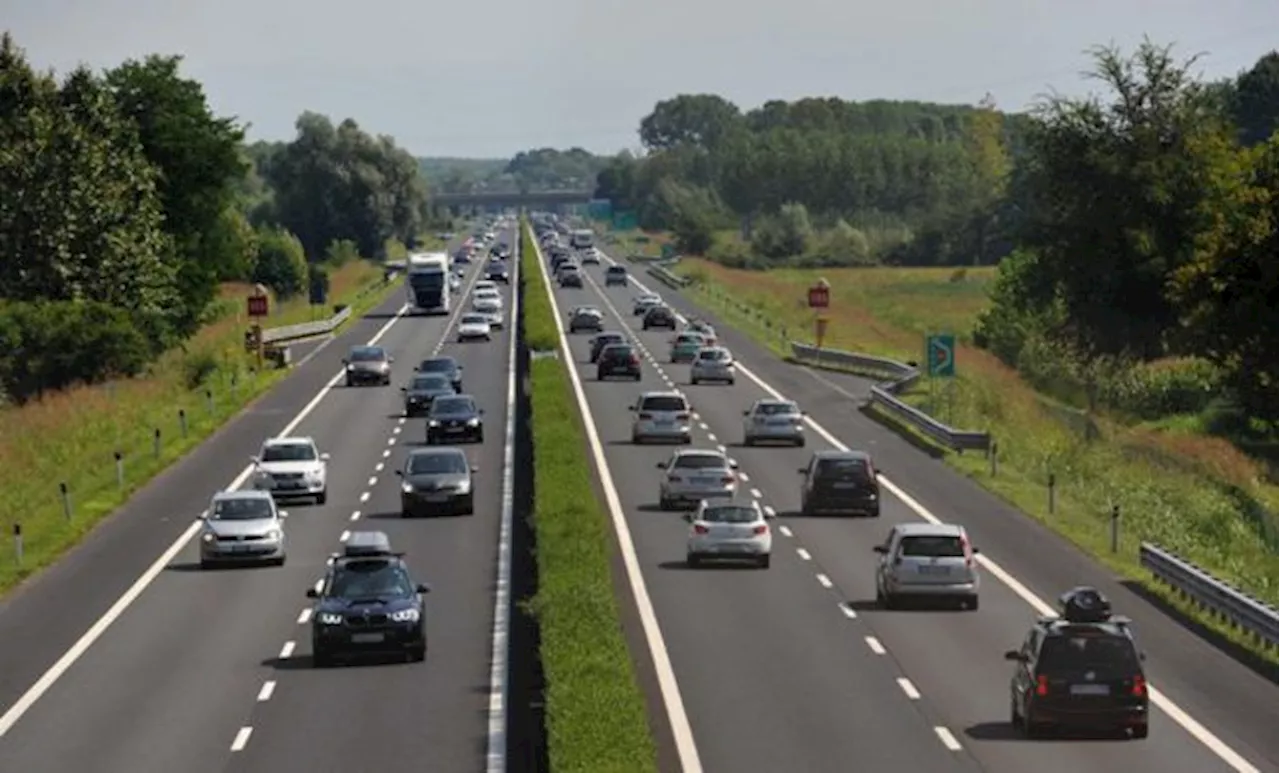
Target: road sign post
x=820, y=295
x=819, y=330
x=259, y=306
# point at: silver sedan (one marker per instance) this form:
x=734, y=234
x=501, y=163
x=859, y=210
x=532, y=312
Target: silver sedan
x=693, y=475
x=779, y=421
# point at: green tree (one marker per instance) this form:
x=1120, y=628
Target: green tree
x=281, y=263
x=693, y=119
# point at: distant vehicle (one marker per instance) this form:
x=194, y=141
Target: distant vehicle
x=368, y=365
x=712, y=363
x=445, y=366
x=424, y=388
x=455, y=419
x=427, y=284
x=932, y=561
x=692, y=475
x=659, y=316
x=242, y=527
x=603, y=340
x=582, y=238
x=570, y=277
x=729, y=531
x=367, y=604
x=685, y=346
x=643, y=303
x=291, y=467
x=436, y=481
x=586, y=318
x=615, y=275
x=486, y=300
x=840, y=482
x=474, y=327
x=618, y=360
x=662, y=416
x=497, y=271
x=773, y=420
x=590, y=257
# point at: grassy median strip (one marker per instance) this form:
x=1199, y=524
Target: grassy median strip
x=71, y=436
x=595, y=710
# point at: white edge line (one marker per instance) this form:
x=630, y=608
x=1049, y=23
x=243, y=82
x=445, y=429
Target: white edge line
x=77, y=650
x=1175, y=712
x=499, y=663
x=681, y=731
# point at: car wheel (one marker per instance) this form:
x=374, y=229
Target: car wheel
x=321, y=659
x=693, y=560
x=1015, y=719
x=731, y=382
x=480, y=436
x=322, y=497
x=279, y=561
x=1140, y=731
x=469, y=506
x=349, y=383
x=693, y=380
x=205, y=565
x=747, y=440
x=664, y=504
x=636, y=440
x=972, y=603
x=418, y=654
x=763, y=562
x=800, y=443
x=890, y=601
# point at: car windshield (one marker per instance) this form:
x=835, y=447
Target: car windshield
x=453, y=406
x=609, y=338
x=663, y=403
x=437, y=366
x=617, y=350
x=730, y=514
x=289, y=452
x=370, y=579
x=437, y=463
x=777, y=409
x=615, y=270
x=713, y=355
x=486, y=292
x=367, y=354
x=241, y=509
x=701, y=462
x=429, y=383
x=1101, y=652
x=932, y=546
x=659, y=311
x=688, y=338
x=474, y=319
x=843, y=469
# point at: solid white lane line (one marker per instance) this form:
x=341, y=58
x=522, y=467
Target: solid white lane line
x=824, y=581
x=242, y=739
x=909, y=688
x=265, y=693
x=948, y=740
x=286, y=651
x=874, y=644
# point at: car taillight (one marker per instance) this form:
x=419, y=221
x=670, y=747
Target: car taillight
x=634, y=359
x=964, y=546
x=727, y=479
x=682, y=416
x=1042, y=685
x=761, y=529
x=699, y=529
x=1139, y=688
x=646, y=416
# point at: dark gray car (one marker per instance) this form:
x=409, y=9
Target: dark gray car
x=424, y=388
x=368, y=365
x=436, y=481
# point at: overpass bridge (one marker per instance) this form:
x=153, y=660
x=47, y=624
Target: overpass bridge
x=553, y=201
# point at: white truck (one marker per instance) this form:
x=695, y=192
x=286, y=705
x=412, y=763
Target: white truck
x=582, y=239
x=427, y=283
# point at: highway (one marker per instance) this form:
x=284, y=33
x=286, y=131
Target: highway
x=795, y=669
x=211, y=670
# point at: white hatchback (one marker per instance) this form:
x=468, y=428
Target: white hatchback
x=486, y=301
x=729, y=531
x=474, y=327
x=662, y=416
x=694, y=475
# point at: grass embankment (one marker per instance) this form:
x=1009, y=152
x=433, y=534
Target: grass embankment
x=596, y=720
x=1191, y=493
x=72, y=436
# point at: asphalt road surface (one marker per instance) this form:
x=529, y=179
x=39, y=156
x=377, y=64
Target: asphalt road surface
x=794, y=669
x=211, y=670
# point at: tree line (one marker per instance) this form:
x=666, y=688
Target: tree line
x=540, y=169
x=125, y=201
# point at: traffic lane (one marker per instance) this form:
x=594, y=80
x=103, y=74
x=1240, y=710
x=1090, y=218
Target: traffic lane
x=843, y=547
x=324, y=719
x=1234, y=702
x=768, y=675
x=86, y=582
x=199, y=633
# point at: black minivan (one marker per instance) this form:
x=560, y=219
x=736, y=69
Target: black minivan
x=840, y=482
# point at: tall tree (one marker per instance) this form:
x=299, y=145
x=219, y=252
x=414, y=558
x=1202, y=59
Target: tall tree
x=694, y=119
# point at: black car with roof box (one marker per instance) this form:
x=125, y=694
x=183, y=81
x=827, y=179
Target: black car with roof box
x=840, y=482
x=1081, y=671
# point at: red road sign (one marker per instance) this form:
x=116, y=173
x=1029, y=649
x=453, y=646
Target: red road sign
x=819, y=296
x=258, y=306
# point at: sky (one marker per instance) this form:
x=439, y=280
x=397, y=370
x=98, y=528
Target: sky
x=488, y=79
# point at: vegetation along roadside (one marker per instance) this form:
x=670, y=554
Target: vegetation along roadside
x=596, y=718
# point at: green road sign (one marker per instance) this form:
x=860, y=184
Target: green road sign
x=624, y=221
x=600, y=209
x=668, y=251
x=940, y=353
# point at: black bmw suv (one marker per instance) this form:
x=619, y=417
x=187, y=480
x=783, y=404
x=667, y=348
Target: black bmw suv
x=455, y=419
x=840, y=482
x=1081, y=670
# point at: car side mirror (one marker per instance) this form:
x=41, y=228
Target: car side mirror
x=660, y=465
x=1142, y=656
x=881, y=549
x=422, y=587
x=391, y=359
x=312, y=593
x=687, y=517
x=475, y=470
x=345, y=361
x=404, y=389
x=283, y=514
x=481, y=412
x=746, y=413
x=325, y=457
x=1015, y=656
x=801, y=471
x=254, y=460
x=975, y=551
x=399, y=473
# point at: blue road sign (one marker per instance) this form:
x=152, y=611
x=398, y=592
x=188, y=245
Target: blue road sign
x=940, y=353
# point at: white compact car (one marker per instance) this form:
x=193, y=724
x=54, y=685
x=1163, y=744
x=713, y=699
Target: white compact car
x=691, y=476
x=474, y=327
x=242, y=526
x=486, y=301
x=713, y=363
x=662, y=416
x=289, y=467
x=779, y=421
x=927, y=561
x=729, y=531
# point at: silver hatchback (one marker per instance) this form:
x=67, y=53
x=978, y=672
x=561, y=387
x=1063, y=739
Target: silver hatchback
x=713, y=363
x=692, y=476
x=662, y=416
x=773, y=420
x=242, y=526
x=927, y=561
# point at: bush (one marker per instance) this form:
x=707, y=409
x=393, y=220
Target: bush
x=341, y=252
x=540, y=333
x=281, y=263
x=1151, y=390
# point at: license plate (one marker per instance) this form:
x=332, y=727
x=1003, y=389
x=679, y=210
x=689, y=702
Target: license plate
x=704, y=481
x=436, y=497
x=779, y=422
x=290, y=484
x=455, y=429
x=241, y=548
x=934, y=570
x=665, y=423
x=844, y=485
x=1090, y=689
x=367, y=638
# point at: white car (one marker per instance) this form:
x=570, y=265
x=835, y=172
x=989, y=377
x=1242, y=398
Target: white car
x=242, y=526
x=693, y=475
x=495, y=318
x=289, y=467
x=484, y=284
x=662, y=416
x=713, y=363
x=773, y=420
x=486, y=302
x=642, y=303
x=473, y=327
x=729, y=531
x=927, y=561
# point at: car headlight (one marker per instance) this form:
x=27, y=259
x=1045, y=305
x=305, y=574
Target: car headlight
x=350, y=368
x=406, y=488
x=329, y=618
x=433, y=423
x=473, y=423
x=315, y=475
x=274, y=535
x=405, y=616
x=208, y=536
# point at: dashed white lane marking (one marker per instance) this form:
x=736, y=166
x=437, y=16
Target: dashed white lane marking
x=391, y=441
x=848, y=612
x=286, y=651
x=346, y=535
x=304, y=616
x=874, y=644
x=378, y=467
x=711, y=436
x=373, y=481
x=364, y=497
x=395, y=430
x=386, y=453
x=242, y=739
x=265, y=693
x=824, y=581
x=948, y=740
x=355, y=516
x=742, y=475
x=320, y=583
x=804, y=554
x=696, y=417
x=755, y=492
x=722, y=449
x=769, y=511
x=786, y=532
x=403, y=420
x=702, y=425
x=909, y=688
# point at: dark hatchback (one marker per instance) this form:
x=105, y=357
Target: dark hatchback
x=423, y=389
x=1080, y=671
x=455, y=419
x=445, y=366
x=497, y=271
x=599, y=343
x=840, y=482
x=618, y=360
x=368, y=605
x=436, y=481
x=659, y=316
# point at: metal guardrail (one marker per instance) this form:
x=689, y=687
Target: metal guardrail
x=1227, y=602
x=291, y=333
x=900, y=376
x=667, y=278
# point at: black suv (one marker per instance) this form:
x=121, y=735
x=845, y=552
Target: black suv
x=659, y=316
x=455, y=419
x=618, y=360
x=368, y=604
x=1081, y=670
x=600, y=342
x=445, y=366
x=840, y=482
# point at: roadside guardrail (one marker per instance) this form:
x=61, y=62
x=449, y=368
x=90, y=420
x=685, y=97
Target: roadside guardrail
x=292, y=333
x=1211, y=594
x=667, y=278
x=899, y=375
